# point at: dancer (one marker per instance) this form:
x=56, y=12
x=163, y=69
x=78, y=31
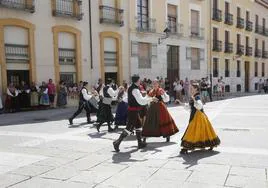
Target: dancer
x=158, y=121
x=84, y=103
x=121, y=111
x=199, y=133
x=105, y=110
x=135, y=103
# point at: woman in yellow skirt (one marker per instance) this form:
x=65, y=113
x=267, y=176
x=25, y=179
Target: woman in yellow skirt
x=199, y=133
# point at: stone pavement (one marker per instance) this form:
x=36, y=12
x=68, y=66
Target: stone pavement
x=37, y=149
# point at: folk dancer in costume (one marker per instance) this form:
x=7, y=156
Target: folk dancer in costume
x=121, y=111
x=199, y=133
x=11, y=103
x=105, y=110
x=135, y=103
x=84, y=103
x=158, y=120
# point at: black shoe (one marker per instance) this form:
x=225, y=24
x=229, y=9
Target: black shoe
x=168, y=139
x=98, y=127
x=70, y=121
x=90, y=122
x=110, y=129
x=210, y=149
x=142, y=145
x=116, y=146
x=184, y=151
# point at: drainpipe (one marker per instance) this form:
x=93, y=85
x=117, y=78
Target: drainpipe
x=90, y=34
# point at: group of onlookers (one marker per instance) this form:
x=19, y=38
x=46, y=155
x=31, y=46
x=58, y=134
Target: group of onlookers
x=263, y=85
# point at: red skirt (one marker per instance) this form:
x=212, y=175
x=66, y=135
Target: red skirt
x=159, y=122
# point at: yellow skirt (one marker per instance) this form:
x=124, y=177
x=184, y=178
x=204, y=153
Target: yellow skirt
x=199, y=133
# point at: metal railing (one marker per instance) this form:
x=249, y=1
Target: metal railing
x=240, y=49
x=175, y=28
x=17, y=52
x=217, y=15
x=19, y=4
x=229, y=19
x=144, y=24
x=111, y=15
x=196, y=32
x=66, y=56
x=257, y=53
x=265, y=54
x=259, y=29
x=249, y=25
x=66, y=8
x=228, y=47
x=240, y=23
x=248, y=51
x=217, y=45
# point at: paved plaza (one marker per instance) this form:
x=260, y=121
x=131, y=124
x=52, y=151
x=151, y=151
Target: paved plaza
x=37, y=149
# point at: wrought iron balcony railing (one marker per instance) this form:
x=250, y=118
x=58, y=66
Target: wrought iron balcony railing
x=259, y=29
x=266, y=32
x=196, y=32
x=265, y=54
x=257, y=53
x=217, y=15
x=145, y=24
x=68, y=8
x=240, y=23
x=248, y=51
x=217, y=46
x=17, y=52
x=228, y=47
x=26, y=5
x=111, y=15
x=175, y=28
x=240, y=49
x=66, y=56
x=249, y=25
x=229, y=19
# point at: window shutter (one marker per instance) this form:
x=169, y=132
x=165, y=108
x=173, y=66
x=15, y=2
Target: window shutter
x=188, y=53
x=202, y=54
x=154, y=50
x=134, y=49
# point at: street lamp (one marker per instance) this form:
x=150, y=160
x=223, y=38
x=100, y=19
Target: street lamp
x=167, y=32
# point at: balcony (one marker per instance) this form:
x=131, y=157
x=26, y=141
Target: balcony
x=196, y=32
x=228, y=47
x=66, y=56
x=110, y=15
x=249, y=25
x=25, y=5
x=259, y=29
x=240, y=49
x=175, y=28
x=266, y=32
x=217, y=46
x=68, y=8
x=145, y=24
x=248, y=51
x=265, y=54
x=217, y=15
x=240, y=23
x=16, y=52
x=229, y=19
x=257, y=53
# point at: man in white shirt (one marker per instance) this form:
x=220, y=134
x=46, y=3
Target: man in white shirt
x=84, y=98
x=135, y=103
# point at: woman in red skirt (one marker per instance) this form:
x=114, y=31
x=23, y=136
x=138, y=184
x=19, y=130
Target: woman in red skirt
x=158, y=120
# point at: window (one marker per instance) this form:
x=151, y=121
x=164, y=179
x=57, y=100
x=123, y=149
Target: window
x=227, y=88
x=227, y=7
x=227, y=69
x=143, y=14
x=256, y=86
x=262, y=69
x=263, y=46
x=110, y=52
x=256, y=69
x=256, y=20
x=238, y=12
x=247, y=41
x=263, y=23
x=195, y=59
x=194, y=23
x=247, y=15
x=256, y=44
x=238, y=69
x=172, y=18
x=238, y=87
x=215, y=67
x=144, y=51
x=215, y=4
x=68, y=78
x=227, y=36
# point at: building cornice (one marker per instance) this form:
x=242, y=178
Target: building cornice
x=263, y=3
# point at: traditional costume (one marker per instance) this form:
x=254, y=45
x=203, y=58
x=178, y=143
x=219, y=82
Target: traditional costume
x=84, y=103
x=24, y=97
x=105, y=110
x=158, y=120
x=11, y=103
x=62, y=96
x=199, y=133
x=121, y=111
x=34, y=97
x=44, y=98
x=135, y=103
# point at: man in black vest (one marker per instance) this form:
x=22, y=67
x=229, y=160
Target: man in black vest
x=105, y=109
x=84, y=97
x=135, y=103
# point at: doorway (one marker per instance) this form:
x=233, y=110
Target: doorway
x=246, y=76
x=16, y=76
x=173, y=63
x=112, y=75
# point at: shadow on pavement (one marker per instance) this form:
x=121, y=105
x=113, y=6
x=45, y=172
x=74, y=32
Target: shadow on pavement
x=122, y=157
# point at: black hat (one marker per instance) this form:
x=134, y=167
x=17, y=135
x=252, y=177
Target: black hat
x=85, y=83
x=109, y=81
x=135, y=78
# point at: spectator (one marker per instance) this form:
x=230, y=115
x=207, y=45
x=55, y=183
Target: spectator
x=178, y=89
x=260, y=85
x=1, y=105
x=99, y=85
x=62, y=95
x=204, y=92
x=44, y=98
x=186, y=86
x=34, y=98
x=174, y=86
x=51, y=92
x=209, y=89
x=266, y=86
x=24, y=97
x=11, y=103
